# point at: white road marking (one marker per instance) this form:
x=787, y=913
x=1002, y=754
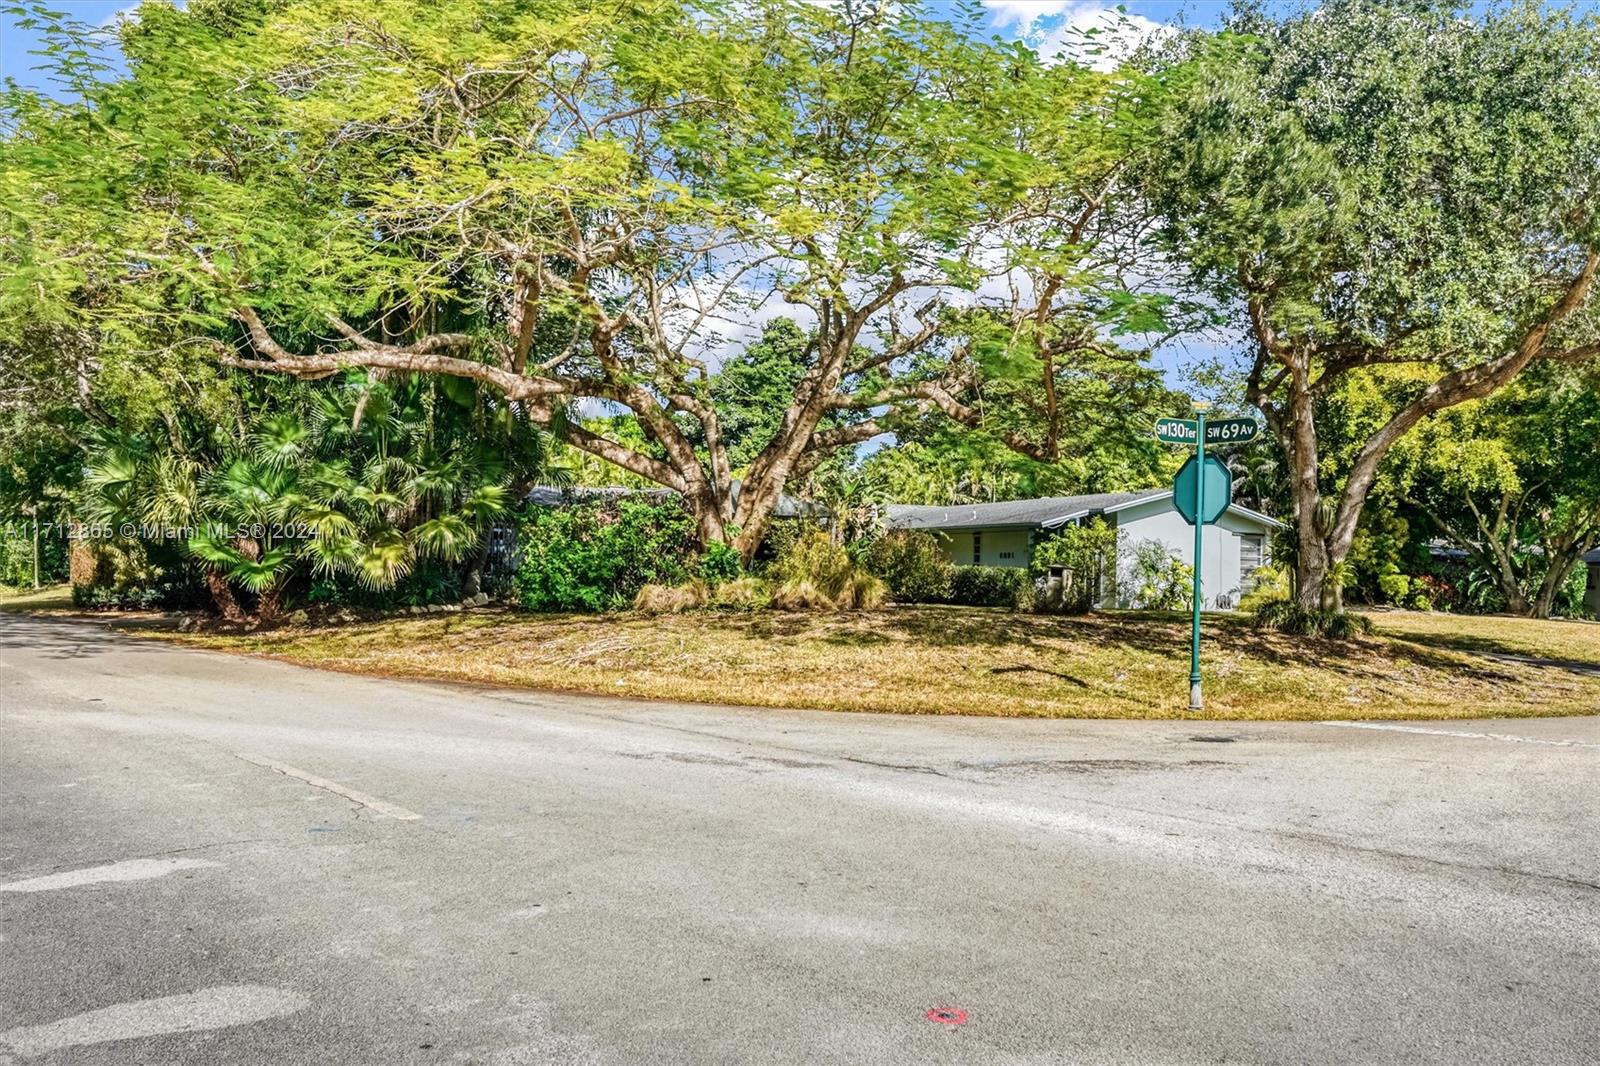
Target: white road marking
x=370, y=802
x=1463, y=733
x=128, y=870
x=210, y=1008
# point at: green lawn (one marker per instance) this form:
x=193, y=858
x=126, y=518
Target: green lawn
x=951, y=660
x=52, y=598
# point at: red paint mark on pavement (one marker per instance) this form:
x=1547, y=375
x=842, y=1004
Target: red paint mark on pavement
x=948, y=1015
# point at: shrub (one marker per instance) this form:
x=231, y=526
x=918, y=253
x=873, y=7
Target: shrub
x=1267, y=584
x=720, y=563
x=596, y=557
x=814, y=557
x=912, y=566
x=1153, y=578
x=115, y=574
x=431, y=581
x=1393, y=584
x=992, y=586
x=742, y=593
x=782, y=536
x=814, y=572
x=1087, y=552
x=1430, y=592
x=672, y=599
x=1287, y=616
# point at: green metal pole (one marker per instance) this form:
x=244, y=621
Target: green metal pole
x=1199, y=530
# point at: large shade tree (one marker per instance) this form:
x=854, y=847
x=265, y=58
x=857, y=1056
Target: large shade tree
x=1386, y=185
x=1515, y=481
x=567, y=206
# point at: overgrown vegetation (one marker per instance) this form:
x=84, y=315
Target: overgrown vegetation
x=1290, y=616
x=1087, y=554
x=912, y=565
x=327, y=291
x=599, y=556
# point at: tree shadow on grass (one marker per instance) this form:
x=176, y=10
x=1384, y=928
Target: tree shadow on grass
x=1480, y=644
x=1158, y=634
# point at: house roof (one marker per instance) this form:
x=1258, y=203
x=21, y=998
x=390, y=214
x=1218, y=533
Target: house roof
x=1592, y=556
x=1049, y=511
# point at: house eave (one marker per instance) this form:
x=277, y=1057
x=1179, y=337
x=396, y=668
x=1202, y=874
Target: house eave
x=1233, y=508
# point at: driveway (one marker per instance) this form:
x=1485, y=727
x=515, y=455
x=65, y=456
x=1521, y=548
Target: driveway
x=213, y=859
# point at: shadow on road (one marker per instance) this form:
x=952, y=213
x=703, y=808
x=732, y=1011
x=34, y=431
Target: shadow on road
x=62, y=638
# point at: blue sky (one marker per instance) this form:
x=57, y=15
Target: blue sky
x=1010, y=17
x=15, y=43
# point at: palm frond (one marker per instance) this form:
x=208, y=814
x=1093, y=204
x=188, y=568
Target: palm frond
x=280, y=441
x=332, y=553
x=486, y=502
x=262, y=573
x=384, y=560
x=448, y=537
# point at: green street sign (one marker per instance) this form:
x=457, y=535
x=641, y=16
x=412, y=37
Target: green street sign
x=1218, y=489
x=1177, y=430
x=1231, y=431
x=1222, y=431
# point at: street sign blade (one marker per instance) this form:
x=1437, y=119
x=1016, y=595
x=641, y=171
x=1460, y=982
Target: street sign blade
x=1231, y=431
x=1177, y=431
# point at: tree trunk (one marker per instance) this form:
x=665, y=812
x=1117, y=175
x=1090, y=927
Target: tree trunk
x=1298, y=434
x=270, y=607
x=758, y=519
x=707, y=510
x=1511, y=589
x=1555, y=578
x=222, y=597
x=472, y=580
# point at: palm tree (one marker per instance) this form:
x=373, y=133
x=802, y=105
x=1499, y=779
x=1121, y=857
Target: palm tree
x=365, y=478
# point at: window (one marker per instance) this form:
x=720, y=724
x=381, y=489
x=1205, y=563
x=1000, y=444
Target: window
x=977, y=549
x=1252, y=557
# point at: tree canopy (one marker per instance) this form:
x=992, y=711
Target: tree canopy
x=566, y=207
x=1386, y=186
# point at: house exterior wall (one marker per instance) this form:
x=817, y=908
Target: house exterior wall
x=1221, y=581
x=996, y=547
x=1591, y=591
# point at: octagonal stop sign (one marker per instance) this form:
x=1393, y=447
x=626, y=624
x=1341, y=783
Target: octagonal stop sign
x=1218, y=494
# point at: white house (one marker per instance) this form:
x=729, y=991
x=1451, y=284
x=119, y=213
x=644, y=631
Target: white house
x=1003, y=534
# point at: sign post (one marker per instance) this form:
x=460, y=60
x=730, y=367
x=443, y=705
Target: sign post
x=1199, y=544
x=1200, y=504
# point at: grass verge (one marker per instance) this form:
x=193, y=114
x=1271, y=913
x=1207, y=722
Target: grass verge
x=952, y=660
x=50, y=599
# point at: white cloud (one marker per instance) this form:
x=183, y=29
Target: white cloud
x=1055, y=28
x=1022, y=13
x=131, y=11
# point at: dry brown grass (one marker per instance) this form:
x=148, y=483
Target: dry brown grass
x=1497, y=634
x=951, y=660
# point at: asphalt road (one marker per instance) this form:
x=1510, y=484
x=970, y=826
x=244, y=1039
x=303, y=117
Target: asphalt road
x=211, y=859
